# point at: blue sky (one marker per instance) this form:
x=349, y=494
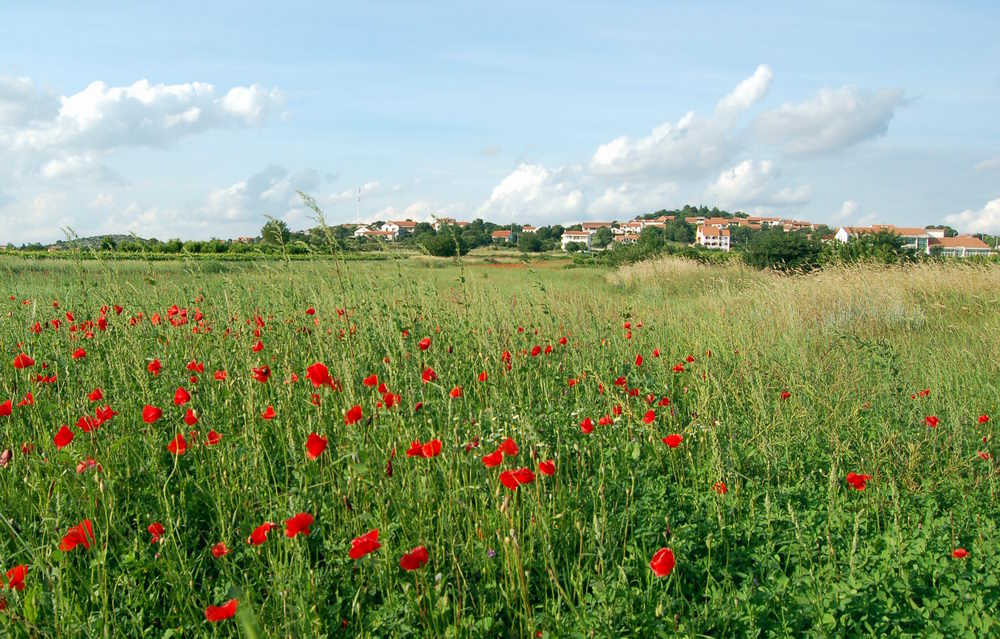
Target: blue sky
x=207, y=118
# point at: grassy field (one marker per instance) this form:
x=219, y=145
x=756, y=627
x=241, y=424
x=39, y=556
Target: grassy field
x=780, y=387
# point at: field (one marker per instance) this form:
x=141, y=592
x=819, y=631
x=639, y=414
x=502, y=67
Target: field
x=785, y=391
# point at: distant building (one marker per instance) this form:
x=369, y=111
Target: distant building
x=914, y=238
x=504, y=236
x=580, y=237
x=591, y=227
x=395, y=226
x=628, y=238
x=527, y=228
x=960, y=246
x=712, y=237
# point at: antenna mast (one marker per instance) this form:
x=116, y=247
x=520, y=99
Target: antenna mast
x=359, y=206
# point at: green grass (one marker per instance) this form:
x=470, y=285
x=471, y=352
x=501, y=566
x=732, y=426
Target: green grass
x=790, y=549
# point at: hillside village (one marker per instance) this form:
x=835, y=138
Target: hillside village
x=713, y=233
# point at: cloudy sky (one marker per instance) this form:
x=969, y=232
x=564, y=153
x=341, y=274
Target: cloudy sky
x=196, y=120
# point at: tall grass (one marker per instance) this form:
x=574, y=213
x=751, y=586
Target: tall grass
x=789, y=549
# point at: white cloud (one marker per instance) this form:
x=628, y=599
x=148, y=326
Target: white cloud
x=68, y=136
x=847, y=210
x=831, y=121
x=626, y=200
x=691, y=146
x=271, y=192
x=534, y=192
x=988, y=165
x=102, y=201
x=985, y=220
x=753, y=184
x=22, y=103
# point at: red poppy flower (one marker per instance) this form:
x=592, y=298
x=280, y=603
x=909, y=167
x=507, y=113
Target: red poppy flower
x=220, y=376
x=662, y=562
x=456, y=392
x=931, y=420
x=414, y=559
x=983, y=419
x=605, y=420
x=315, y=445
x=638, y=359
x=370, y=381
x=261, y=374
x=424, y=344
x=298, y=524
x=96, y=395
x=366, y=543
x=154, y=367
x=649, y=417
x=81, y=534
x=547, y=468
x=178, y=445
x=720, y=487
x=616, y=410
x=156, y=530
x=190, y=417
x=428, y=375
x=673, y=440
x=214, y=614
x=960, y=553
x=513, y=479
x=63, y=437
x=858, y=482
x=6, y=408
x=79, y=353
x=181, y=397
x=23, y=361
x=587, y=426
x=151, y=413
x=431, y=448
x=269, y=413
x=509, y=448
x=494, y=459
x=319, y=375
x=310, y=311
x=259, y=534
x=656, y=352
x=353, y=415
x=258, y=347
x=219, y=550
x=785, y=395
x=482, y=376
x=16, y=576
x=679, y=368
x=984, y=455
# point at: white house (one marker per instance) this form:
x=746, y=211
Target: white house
x=914, y=238
x=712, y=237
x=395, y=226
x=580, y=237
x=504, y=236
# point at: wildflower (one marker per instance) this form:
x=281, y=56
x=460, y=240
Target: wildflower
x=858, y=482
x=16, y=577
x=414, y=559
x=80, y=535
x=298, y=524
x=493, y=459
x=673, y=441
x=214, y=614
x=587, y=426
x=259, y=534
x=151, y=413
x=315, y=445
x=424, y=344
x=662, y=562
x=219, y=550
x=178, y=445
x=181, y=397
x=353, y=415
x=365, y=544
x=156, y=530
x=960, y=553
x=63, y=437
x=931, y=420
x=515, y=478
x=547, y=468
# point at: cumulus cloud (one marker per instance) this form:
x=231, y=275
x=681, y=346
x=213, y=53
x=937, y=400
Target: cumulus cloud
x=272, y=192
x=984, y=220
x=625, y=200
x=847, y=210
x=988, y=165
x=691, y=146
x=22, y=103
x=66, y=137
x=831, y=121
x=534, y=191
x=754, y=184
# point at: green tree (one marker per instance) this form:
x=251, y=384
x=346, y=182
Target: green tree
x=444, y=244
x=530, y=243
x=602, y=237
x=108, y=243
x=275, y=232
x=782, y=251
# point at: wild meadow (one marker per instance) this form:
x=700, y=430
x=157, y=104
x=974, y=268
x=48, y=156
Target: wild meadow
x=442, y=449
